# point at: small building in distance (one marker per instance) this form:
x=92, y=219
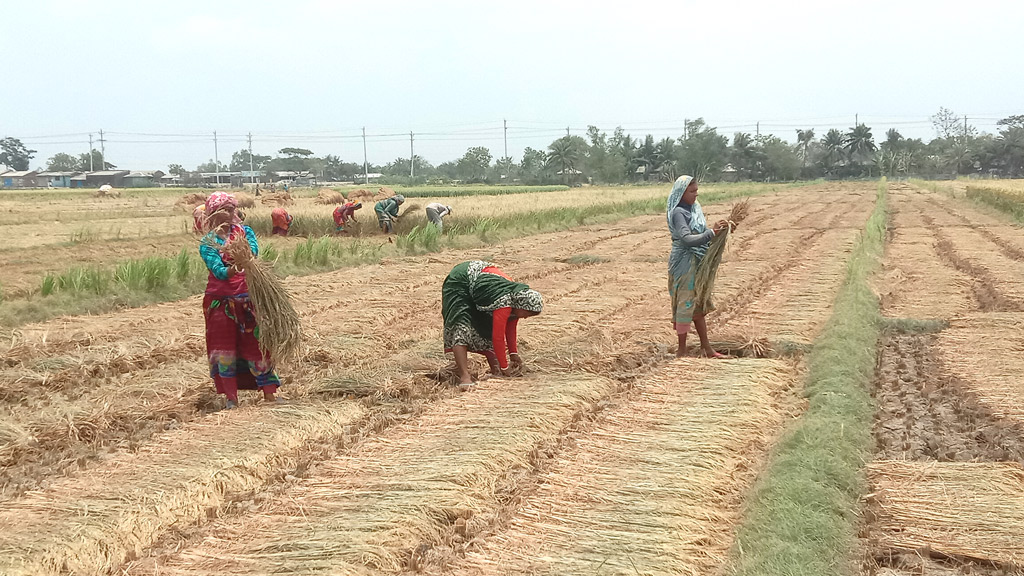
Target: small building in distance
x=143, y=178
x=19, y=179
x=77, y=181
x=55, y=178
x=171, y=180
x=113, y=178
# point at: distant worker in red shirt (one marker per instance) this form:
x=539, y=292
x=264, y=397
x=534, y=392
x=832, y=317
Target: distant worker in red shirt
x=281, y=220
x=344, y=213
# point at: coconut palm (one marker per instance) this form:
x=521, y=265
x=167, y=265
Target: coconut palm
x=804, y=138
x=565, y=154
x=665, y=158
x=833, y=144
x=860, y=144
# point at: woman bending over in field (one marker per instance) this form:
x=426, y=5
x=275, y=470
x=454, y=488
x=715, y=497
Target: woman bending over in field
x=481, y=307
x=232, y=348
x=690, y=240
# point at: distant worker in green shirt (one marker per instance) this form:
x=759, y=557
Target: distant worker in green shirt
x=387, y=212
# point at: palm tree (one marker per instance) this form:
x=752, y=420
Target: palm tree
x=833, y=144
x=803, y=143
x=564, y=153
x=860, y=144
x=665, y=158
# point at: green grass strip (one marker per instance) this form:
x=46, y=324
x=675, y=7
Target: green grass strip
x=801, y=516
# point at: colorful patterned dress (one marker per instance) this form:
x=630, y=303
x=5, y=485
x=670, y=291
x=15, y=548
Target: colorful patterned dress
x=477, y=300
x=232, y=345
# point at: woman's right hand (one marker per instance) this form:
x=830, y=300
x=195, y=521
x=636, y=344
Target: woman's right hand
x=721, y=226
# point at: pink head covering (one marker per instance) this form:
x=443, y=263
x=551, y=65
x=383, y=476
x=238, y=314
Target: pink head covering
x=219, y=200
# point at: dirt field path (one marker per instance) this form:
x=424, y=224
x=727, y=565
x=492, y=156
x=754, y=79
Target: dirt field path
x=950, y=425
x=372, y=330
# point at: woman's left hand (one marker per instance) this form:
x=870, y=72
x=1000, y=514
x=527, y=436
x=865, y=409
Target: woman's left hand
x=721, y=226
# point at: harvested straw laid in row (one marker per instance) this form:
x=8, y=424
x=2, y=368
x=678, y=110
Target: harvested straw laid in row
x=704, y=284
x=280, y=332
x=969, y=510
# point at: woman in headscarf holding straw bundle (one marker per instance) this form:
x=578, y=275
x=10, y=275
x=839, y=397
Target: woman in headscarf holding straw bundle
x=232, y=336
x=690, y=240
x=481, y=308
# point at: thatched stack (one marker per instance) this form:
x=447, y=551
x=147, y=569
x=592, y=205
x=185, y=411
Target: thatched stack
x=278, y=198
x=189, y=201
x=328, y=197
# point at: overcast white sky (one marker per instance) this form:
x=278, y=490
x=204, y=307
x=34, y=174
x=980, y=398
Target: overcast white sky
x=311, y=73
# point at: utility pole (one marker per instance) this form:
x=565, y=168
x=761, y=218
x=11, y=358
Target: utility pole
x=757, y=129
x=90, y=153
x=965, y=127
x=566, y=130
x=252, y=173
x=412, y=159
x=505, y=124
x=686, y=126
x=103, y=152
x=366, y=165
x=216, y=157
x=856, y=120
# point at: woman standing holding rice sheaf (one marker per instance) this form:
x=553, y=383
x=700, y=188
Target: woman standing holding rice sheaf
x=232, y=345
x=481, y=308
x=690, y=240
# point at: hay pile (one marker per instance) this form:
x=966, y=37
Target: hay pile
x=189, y=201
x=708, y=269
x=382, y=193
x=280, y=330
x=328, y=197
x=106, y=192
x=361, y=195
x=245, y=200
x=972, y=510
x=278, y=198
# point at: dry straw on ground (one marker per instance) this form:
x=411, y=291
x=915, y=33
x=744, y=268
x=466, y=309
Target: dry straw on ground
x=972, y=510
x=985, y=352
x=704, y=284
x=245, y=200
x=326, y=196
x=417, y=492
x=91, y=525
x=278, y=199
x=657, y=485
x=189, y=201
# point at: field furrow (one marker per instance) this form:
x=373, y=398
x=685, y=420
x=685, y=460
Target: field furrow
x=309, y=533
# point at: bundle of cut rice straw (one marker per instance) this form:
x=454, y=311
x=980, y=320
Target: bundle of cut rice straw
x=280, y=333
x=704, y=283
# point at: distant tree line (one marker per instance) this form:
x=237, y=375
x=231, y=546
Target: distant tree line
x=957, y=149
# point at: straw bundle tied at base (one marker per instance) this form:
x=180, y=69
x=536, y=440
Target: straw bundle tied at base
x=704, y=284
x=280, y=332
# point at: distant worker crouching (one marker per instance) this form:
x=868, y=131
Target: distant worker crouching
x=344, y=213
x=436, y=213
x=387, y=212
x=281, y=220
